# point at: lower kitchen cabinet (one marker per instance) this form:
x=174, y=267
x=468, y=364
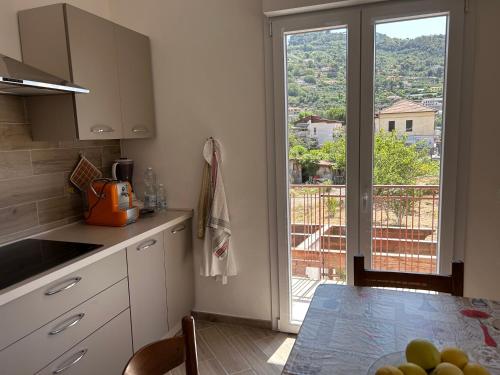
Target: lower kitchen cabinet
x=106, y=351
x=179, y=273
x=148, y=302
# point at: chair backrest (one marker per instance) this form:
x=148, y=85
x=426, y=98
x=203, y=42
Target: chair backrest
x=453, y=284
x=162, y=356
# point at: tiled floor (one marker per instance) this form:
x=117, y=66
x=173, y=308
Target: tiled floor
x=232, y=349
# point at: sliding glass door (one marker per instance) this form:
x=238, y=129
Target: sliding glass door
x=365, y=115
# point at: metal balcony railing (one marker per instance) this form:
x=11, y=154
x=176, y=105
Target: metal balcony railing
x=404, y=229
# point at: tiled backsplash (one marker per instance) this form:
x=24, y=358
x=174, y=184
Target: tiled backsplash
x=35, y=192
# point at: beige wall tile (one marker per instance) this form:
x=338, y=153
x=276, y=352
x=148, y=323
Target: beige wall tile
x=62, y=160
x=109, y=155
x=18, y=137
x=29, y=189
x=58, y=208
x=12, y=109
x=15, y=164
x=17, y=218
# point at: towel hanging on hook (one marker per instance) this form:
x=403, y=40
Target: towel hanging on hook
x=213, y=217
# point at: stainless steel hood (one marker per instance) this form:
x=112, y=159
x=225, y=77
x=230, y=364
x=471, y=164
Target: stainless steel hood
x=17, y=78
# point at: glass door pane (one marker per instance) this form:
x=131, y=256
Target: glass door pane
x=409, y=92
x=316, y=87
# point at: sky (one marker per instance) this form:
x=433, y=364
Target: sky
x=413, y=28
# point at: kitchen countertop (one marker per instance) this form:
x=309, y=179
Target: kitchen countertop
x=113, y=240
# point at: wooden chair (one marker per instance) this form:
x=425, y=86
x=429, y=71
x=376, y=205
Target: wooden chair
x=162, y=356
x=453, y=284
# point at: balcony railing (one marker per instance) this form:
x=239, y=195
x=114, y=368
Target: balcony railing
x=404, y=229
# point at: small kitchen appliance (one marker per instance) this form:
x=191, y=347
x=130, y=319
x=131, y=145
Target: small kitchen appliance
x=110, y=203
x=123, y=170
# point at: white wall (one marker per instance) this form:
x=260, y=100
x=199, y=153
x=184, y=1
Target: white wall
x=482, y=252
x=9, y=31
x=274, y=8
x=208, y=67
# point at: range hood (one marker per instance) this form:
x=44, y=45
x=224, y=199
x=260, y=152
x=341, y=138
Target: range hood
x=17, y=78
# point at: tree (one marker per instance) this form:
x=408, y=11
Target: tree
x=304, y=114
x=336, y=113
x=397, y=163
x=335, y=151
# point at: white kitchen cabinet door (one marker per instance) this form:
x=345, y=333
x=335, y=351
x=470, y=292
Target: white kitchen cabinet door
x=179, y=273
x=136, y=83
x=148, y=304
x=105, y=352
x=94, y=64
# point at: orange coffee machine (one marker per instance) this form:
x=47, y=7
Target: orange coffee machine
x=109, y=203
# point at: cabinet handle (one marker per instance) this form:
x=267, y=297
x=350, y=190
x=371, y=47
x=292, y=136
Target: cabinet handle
x=178, y=229
x=140, y=129
x=99, y=129
x=73, y=360
x=65, y=285
x=146, y=245
x=67, y=324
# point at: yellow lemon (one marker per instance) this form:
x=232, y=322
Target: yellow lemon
x=454, y=355
x=389, y=370
x=423, y=353
x=412, y=369
x=475, y=369
x=447, y=369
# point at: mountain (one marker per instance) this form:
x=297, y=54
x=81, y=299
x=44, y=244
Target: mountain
x=316, y=69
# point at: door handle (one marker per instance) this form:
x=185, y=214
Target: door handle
x=178, y=229
x=140, y=129
x=146, y=245
x=99, y=129
x=365, y=199
x=67, y=324
x=65, y=285
x=73, y=360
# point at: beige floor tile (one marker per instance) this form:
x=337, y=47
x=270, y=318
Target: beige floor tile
x=204, y=351
x=230, y=358
x=257, y=359
x=277, y=347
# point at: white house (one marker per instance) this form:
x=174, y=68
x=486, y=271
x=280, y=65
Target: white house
x=408, y=117
x=318, y=128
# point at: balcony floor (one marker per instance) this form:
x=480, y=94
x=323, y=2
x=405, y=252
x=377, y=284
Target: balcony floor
x=303, y=290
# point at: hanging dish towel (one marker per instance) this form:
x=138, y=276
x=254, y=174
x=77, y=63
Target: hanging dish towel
x=213, y=218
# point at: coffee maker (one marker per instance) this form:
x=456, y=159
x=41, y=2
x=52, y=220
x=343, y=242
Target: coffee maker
x=123, y=170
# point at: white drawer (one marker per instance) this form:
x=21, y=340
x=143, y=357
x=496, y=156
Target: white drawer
x=36, y=350
x=28, y=313
x=105, y=352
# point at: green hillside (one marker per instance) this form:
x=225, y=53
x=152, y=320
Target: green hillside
x=316, y=61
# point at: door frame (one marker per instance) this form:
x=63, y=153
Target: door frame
x=451, y=116
x=349, y=18
x=277, y=205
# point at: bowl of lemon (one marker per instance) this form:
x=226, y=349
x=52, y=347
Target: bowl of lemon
x=421, y=357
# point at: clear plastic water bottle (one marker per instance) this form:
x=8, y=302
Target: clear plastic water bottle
x=150, y=189
x=161, y=198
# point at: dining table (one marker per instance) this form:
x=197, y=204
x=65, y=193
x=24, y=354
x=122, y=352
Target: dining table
x=347, y=330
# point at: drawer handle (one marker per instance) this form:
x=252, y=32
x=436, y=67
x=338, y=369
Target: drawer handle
x=140, y=129
x=65, y=286
x=67, y=324
x=178, y=229
x=146, y=245
x=73, y=360
x=99, y=129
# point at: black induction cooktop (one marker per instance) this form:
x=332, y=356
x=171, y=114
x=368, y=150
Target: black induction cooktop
x=24, y=259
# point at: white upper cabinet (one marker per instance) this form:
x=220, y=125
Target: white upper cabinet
x=113, y=62
x=136, y=83
x=95, y=65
